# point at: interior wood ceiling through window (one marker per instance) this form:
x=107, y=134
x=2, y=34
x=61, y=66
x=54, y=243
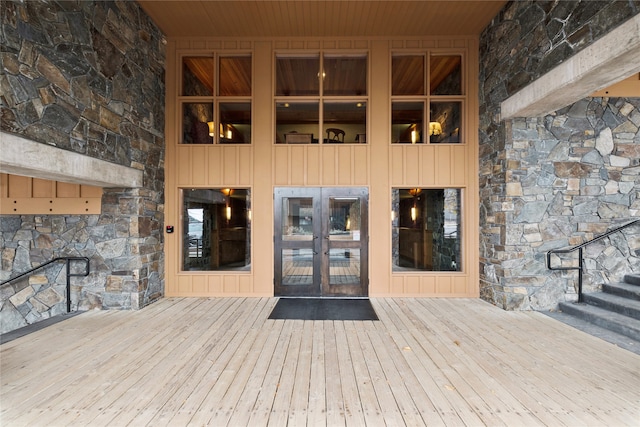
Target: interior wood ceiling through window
x=407, y=76
x=205, y=18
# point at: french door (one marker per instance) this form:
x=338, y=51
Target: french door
x=320, y=238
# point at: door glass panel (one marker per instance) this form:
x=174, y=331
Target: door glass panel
x=344, y=266
x=297, y=267
x=297, y=219
x=344, y=219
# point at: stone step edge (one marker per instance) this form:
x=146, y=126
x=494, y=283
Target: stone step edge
x=604, y=318
x=632, y=279
x=626, y=306
x=622, y=289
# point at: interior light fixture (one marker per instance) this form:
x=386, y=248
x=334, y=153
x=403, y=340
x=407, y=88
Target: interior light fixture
x=228, y=212
x=414, y=136
x=414, y=213
x=212, y=128
x=435, y=128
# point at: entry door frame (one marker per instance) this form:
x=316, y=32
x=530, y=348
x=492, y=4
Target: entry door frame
x=321, y=243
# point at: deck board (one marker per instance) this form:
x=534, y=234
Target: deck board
x=221, y=361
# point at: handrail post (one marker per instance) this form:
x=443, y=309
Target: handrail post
x=580, y=275
x=68, y=285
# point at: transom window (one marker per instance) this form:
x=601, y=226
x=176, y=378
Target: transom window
x=427, y=96
x=215, y=99
x=321, y=98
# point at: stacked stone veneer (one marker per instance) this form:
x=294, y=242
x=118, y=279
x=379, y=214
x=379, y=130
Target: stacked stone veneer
x=559, y=180
x=87, y=77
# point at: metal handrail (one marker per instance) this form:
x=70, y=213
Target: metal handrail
x=68, y=260
x=579, y=249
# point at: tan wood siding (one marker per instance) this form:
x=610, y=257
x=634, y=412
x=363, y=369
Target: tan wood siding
x=21, y=195
x=378, y=165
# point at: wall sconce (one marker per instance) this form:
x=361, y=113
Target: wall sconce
x=414, y=136
x=435, y=128
x=228, y=212
x=212, y=128
x=414, y=213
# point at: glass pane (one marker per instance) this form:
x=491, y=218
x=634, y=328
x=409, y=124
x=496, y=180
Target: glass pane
x=426, y=229
x=297, y=267
x=407, y=75
x=344, y=218
x=445, y=75
x=344, y=266
x=297, y=122
x=197, y=123
x=297, y=76
x=235, y=121
x=445, y=122
x=406, y=122
x=345, y=122
x=216, y=229
x=197, y=76
x=297, y=219
x=343, y=75
x=235, y=76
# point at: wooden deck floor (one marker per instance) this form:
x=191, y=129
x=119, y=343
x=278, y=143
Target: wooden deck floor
x=222, y=362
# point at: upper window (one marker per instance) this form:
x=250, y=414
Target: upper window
x=321, y=98
x=426, y=106
x=216, y=99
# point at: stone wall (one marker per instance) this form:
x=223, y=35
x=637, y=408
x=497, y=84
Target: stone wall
x=558, y=180
x=86, y=76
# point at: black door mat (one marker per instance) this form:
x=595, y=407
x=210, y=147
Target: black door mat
x=323, y=309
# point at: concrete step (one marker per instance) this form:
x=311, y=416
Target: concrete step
x=625, y=290
x=615, y=322
x=626, y=306
x=596, y=331
x=632, y=279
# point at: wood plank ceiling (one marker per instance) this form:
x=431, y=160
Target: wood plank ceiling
x=395, y=18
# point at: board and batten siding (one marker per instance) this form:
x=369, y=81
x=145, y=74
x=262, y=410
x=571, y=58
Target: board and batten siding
x=378, y=165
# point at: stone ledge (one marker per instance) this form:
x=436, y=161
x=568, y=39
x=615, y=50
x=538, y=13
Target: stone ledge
x=609, y=60
x=21, y=156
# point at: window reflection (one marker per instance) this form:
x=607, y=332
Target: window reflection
x=408, y=75
x=448, y=117
x=197, y=76
x=235, y=122
x=445, y=75
x=426, y=229
x=407, y=122
x=197, y=123
x=217, y=233
x=344, y=75
x=297, y=76
x=235, y=76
